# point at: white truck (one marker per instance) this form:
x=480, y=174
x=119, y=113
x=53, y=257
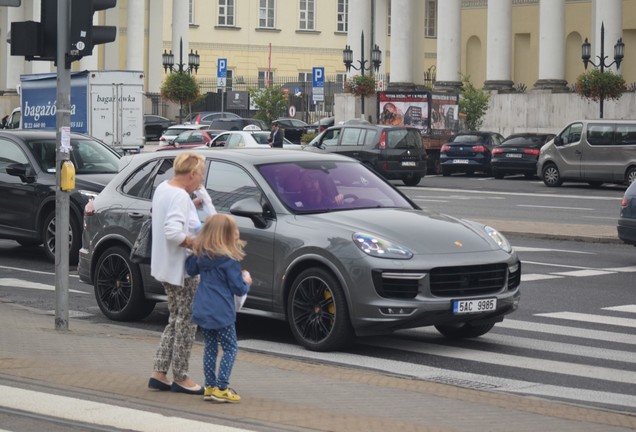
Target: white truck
x=107, y=105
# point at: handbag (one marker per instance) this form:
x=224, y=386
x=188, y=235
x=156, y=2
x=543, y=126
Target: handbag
x=142, y=248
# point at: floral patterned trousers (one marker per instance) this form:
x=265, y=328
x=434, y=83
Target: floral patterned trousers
x=177, y=338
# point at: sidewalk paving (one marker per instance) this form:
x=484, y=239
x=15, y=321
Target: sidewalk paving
x=112, y=363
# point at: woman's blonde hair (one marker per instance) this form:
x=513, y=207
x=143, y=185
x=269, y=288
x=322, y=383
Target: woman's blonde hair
x=188, y=162
x=217, y=238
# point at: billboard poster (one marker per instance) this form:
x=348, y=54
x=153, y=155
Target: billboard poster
x=444, y=113
x=404, y=108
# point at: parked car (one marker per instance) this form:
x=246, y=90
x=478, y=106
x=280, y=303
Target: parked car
x=154, y=126
x=627, y=219
x=294, y=129
x=468, y=152
x=190, y=139
x=27, y=185
x=173, y=132
x=396, y=152
x=592, y=151
x=321, y=125
x=206, y=117
x=247, y=139
x=238, y=124
x=332, y=271
x=518, y=154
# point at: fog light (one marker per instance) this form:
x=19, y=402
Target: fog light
x=513, y=268
x=396, y=311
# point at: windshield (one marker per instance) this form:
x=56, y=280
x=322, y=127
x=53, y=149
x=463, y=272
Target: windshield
x=317, y=186
x=88, y=156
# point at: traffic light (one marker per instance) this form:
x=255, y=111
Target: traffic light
x=84, y=35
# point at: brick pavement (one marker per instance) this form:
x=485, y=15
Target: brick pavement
x=111, y=363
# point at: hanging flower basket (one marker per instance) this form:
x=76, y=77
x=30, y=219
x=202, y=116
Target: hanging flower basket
x=595, y=85
x=361, y=85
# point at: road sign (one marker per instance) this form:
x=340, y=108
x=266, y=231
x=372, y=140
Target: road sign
x=318, y=77
x=221, y=72
x=318, y=84
x=291, y=111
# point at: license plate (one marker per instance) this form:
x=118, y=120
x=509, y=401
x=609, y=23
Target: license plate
x=409, y=163
x=513, y=155
x=474, y=306
x=460, y=161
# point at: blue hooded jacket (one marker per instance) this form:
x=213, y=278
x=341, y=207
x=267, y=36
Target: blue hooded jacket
x=221, y=279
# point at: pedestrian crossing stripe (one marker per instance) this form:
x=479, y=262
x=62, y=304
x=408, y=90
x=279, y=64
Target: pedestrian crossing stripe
x=624, y=308
x=590, y=318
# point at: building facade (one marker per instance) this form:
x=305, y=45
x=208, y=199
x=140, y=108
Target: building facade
x=504, y=45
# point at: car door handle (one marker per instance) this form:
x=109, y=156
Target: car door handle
x=136, y=215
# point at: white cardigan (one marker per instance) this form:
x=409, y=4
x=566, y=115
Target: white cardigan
x=174, y=217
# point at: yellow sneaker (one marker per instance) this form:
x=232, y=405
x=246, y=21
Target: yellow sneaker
x=227, y=395
x=207, y=393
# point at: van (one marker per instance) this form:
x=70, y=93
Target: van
x=395, y=152
x=591, y=151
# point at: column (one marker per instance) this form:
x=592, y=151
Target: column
x=499, y=46
x=551, y=45
x=449, y=45
x=402, y=52
x=380, y=32
x=155, y=71
x=135, y=35
x=359, y=21
x=609, y=13
x=180, y=27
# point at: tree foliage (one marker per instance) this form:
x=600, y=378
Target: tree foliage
x=270, y=102
x=473, y=103
x=361, y=85
x=181, y=88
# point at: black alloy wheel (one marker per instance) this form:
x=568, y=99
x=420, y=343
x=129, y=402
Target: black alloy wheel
x=317, y=311
x=118, y=286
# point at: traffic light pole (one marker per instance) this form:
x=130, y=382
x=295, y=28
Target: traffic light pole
x=63, y=137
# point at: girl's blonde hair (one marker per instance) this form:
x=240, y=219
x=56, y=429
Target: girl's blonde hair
x=217, y=238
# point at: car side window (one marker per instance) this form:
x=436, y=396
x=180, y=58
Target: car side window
x=600, y=134
x=572, y=133
x=235, y=141
x=227, y=184
x=352, y=136
x=11, y=153
x=139, y=184
x=331, y=137
x=625, y=134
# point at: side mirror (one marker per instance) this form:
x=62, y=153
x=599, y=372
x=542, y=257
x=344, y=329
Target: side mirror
x=24, y=171
x=251, y=208
x=558, y=140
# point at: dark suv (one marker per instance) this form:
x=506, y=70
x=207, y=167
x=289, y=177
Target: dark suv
x=469, y=152
x=396, y=152
x=27, y=186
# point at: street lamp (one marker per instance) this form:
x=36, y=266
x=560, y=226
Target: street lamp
x=181, y=68
x=376, y=60
x=619, y=53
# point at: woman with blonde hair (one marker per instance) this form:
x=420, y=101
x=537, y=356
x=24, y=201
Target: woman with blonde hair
x=217, y=252
x=174, y=223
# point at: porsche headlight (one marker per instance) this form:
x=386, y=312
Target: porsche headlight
x=380, y=248
x=498, y=238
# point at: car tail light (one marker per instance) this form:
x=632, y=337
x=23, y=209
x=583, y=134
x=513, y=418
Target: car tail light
x=480, y=149
x=497, y=151
x=382, y=143
x=445, y=148
x=197, y=120
x=533, y=152
x=624, y=202
x=89, y=209
x=162, y=139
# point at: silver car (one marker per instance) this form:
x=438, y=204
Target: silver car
x=362, y=260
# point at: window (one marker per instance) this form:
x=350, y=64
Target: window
x=430, y=19
x=307, y=13
x=340, y=80
x=262, y=79
x=342, y=16
x=266, y=13
x=625, y=134
x=572, y=133
x=226, y=13
x=305, y=77
x=228, y=184
x=599, y=134
x=139, y=183
x=11, y=154
x=191, y=11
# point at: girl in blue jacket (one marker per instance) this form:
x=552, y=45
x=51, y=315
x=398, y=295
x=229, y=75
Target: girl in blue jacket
x=217, y=251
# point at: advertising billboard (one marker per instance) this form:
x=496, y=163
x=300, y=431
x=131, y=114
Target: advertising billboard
x=444, y=113
x=404, y=109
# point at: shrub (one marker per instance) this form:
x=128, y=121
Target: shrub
x=180, y=87
x=361, y=85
